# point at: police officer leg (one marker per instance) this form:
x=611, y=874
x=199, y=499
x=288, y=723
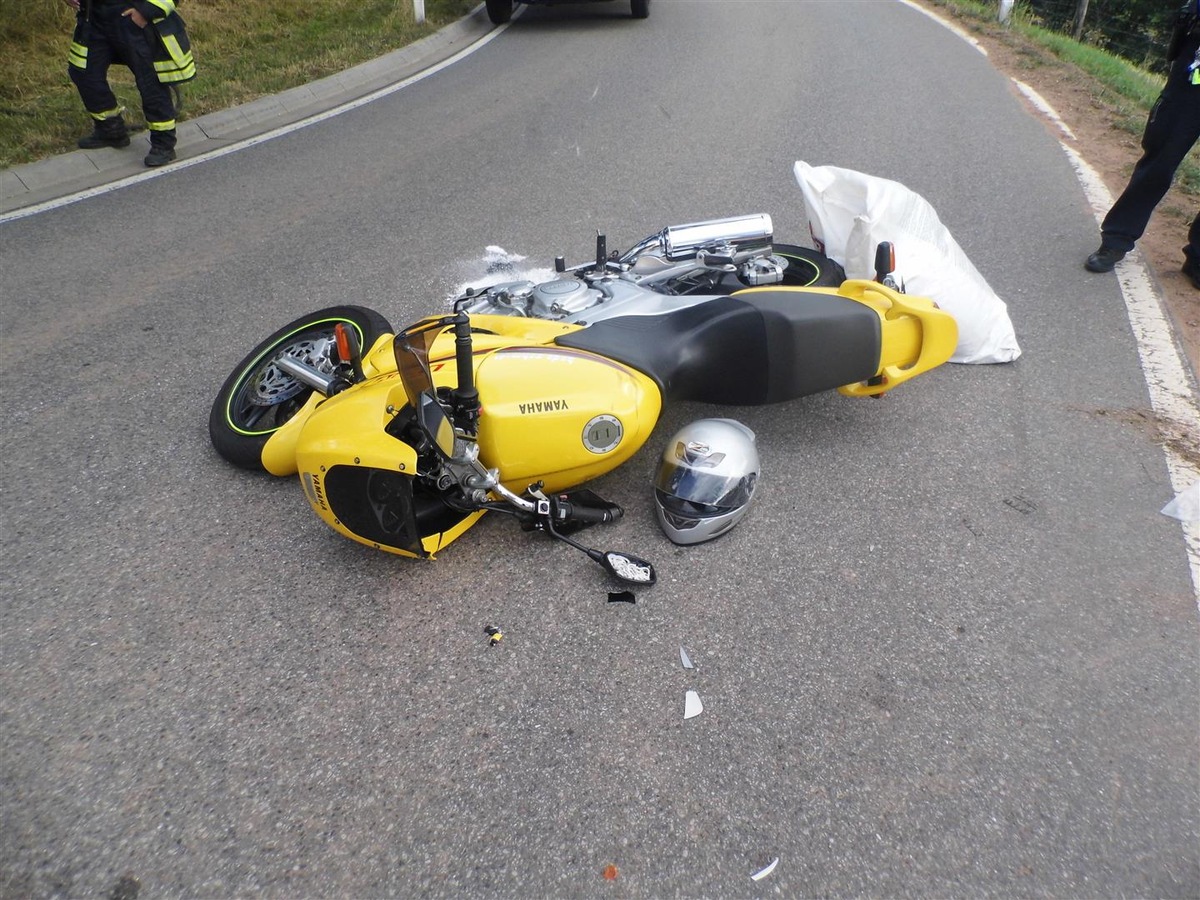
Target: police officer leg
x=1170, y=134
x=1171, y=130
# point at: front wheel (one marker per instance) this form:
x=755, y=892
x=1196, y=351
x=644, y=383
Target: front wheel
x=640, y=8
x=258, y=397
x=500, y=11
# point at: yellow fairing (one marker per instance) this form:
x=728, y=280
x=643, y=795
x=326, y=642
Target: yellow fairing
x=345, y=452
x=279, y=453
x=915, y=335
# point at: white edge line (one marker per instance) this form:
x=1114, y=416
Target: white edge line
x=947, y=24
x=1044, y=107
x=1166, y=378
x=282, y=130
x=1171, y=394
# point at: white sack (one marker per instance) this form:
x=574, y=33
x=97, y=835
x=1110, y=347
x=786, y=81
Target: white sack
x=850, y=213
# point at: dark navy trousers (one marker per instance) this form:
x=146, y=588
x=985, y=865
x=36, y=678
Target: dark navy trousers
x=112, y=38
x=1171, y=131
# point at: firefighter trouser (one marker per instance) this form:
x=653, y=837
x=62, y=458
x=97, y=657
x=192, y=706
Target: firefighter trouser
x=112, y=38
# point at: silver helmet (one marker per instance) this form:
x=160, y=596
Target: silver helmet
x=705, y=480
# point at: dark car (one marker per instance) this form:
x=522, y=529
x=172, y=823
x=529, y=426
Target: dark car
x=500, y=11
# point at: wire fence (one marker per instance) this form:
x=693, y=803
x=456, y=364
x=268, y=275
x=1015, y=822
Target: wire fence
x=1136, y=30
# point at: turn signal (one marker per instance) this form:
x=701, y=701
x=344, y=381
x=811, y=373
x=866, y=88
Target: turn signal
x=347, y=342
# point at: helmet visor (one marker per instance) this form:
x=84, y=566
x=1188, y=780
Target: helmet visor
x=704, y=489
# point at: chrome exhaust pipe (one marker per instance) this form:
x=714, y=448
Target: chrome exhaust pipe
x=744, y=233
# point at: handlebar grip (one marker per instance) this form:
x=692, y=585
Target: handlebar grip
x=590, y=515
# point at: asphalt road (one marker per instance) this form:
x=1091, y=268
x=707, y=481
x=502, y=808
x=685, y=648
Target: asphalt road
x=952, y=651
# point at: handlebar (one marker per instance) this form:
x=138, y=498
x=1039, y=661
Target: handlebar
x=559, y=510
x=587, y=515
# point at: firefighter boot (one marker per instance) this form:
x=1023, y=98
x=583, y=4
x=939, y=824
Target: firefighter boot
x=110, y=132
x=162, y=148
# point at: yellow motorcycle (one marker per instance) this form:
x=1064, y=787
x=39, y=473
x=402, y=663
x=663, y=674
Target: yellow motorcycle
x=525, y=391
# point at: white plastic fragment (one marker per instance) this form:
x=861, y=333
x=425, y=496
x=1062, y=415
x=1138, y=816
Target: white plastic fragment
x=764, y=872
x=685, y=659
x=1186, y=505
x=692, y=705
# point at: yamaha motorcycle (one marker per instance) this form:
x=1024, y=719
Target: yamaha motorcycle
x=522, y=392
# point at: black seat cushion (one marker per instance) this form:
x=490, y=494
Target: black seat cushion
x=759, y=347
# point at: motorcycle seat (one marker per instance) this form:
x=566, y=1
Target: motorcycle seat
x=747, y=350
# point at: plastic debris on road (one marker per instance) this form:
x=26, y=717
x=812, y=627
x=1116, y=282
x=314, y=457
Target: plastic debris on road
x=611, y=873
x=765, y=871
x=495, y=635
x=1186, y=505
x=621, y=597
x=691, y=705
x=685, y=659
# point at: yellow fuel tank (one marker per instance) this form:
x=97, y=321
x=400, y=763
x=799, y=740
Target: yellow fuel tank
x=559, y=415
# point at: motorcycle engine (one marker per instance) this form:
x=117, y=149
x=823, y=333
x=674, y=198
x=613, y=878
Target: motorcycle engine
x=549, y=300
x=562, y=297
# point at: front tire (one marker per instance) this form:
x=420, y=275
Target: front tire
x=258, y=398
x=640, y=8
x=499, y=11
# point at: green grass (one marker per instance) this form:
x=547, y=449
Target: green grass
x=244, y=49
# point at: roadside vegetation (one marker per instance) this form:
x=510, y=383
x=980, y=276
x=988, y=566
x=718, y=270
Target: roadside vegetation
x=248, y=48
x=244, y=49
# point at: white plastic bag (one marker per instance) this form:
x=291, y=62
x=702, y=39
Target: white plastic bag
x=851, y=213
x=1186, y=505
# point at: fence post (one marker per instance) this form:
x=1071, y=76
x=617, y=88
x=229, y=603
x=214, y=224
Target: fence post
x=1080, y=17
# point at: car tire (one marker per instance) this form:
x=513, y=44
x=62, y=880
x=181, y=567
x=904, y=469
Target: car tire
x=499, y=11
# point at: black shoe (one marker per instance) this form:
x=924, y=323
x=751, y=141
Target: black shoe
x=1192, y=271
x=1104, y=259
x=159, y=156
x=116, y=136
